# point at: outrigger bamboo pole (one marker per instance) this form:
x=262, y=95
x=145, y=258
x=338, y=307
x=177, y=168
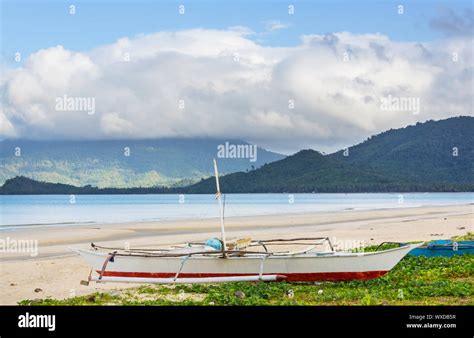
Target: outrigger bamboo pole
x=256, y=278
x=221, y=207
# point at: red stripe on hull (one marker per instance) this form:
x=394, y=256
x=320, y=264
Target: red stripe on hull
x=291, y=277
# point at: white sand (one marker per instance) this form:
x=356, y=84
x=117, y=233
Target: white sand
x=57, y=271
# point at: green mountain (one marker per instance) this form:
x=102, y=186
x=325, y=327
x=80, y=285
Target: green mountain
x=21, y=185
x=430, y=152
x=430, y=156
x=306, y=171
x=169, y=162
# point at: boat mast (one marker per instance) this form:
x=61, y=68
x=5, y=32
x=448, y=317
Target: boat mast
x=221, y=207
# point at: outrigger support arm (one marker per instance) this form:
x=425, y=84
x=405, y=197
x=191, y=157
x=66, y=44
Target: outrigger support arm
x=110, y=258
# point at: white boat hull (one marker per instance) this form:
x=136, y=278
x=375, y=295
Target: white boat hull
x=303, y=267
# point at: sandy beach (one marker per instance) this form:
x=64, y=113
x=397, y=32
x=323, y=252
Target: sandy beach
x=56, y=271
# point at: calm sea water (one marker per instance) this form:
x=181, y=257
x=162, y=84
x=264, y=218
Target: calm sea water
x=57, y=209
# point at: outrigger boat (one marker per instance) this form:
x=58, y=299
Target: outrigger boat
x=444, y=247
x=240, y=260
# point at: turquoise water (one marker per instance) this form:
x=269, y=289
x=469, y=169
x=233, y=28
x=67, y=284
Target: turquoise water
x=57, y=209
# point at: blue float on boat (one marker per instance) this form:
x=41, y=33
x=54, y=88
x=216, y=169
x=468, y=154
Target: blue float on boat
x=444, y=247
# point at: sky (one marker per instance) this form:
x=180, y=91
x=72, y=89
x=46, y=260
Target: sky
x=313, y=78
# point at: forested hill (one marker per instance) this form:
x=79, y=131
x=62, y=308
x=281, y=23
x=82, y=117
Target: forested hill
x=430, y=156
x=430, y=152
x=26, y=186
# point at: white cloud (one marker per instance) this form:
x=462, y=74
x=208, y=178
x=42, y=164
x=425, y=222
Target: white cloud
x=6, y=127
x=274, y=25
x=233, y=87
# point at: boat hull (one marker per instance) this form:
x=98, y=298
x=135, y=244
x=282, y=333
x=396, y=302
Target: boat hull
x=290, y=277
x=445, y=248
x=304, y=267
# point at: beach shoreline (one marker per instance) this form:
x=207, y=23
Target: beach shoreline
x=56, y=271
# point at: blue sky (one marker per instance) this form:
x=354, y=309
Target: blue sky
x=337, y=77
x=28, y=26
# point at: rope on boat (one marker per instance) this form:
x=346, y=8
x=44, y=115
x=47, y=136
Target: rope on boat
x=262, y=244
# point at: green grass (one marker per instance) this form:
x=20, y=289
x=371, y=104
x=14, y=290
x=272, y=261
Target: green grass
x=467, y=237
x=414, y=281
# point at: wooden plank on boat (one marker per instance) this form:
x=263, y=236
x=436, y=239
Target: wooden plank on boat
x=239, y=244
